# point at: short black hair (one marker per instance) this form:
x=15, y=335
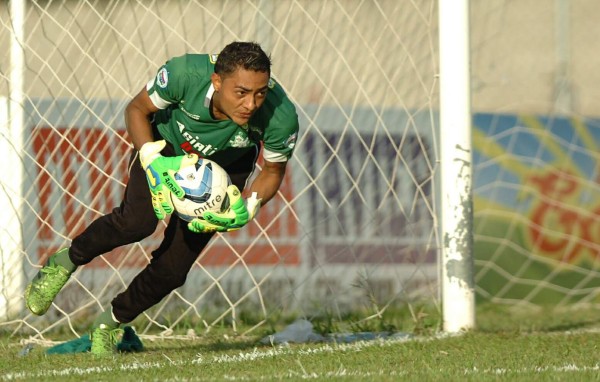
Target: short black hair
x=247, y=55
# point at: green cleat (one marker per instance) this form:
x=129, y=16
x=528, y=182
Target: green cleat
x=42, y=290
x=104, y=340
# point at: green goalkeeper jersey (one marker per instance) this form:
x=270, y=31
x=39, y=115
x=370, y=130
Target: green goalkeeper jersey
x=182, y=90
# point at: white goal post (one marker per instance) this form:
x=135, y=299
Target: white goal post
x=12, y=277
x=373, y=216
x=456, y=207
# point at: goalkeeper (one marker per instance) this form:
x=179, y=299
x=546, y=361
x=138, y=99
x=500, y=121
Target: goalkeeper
x=221, y=107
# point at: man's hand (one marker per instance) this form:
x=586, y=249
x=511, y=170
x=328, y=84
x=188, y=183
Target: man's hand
x=239, y=213
x=159, y=173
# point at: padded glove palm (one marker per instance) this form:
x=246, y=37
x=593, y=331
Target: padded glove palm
x=239, y=213
x=159, y=173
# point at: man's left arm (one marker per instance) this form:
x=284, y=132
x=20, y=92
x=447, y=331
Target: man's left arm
x=268, y=180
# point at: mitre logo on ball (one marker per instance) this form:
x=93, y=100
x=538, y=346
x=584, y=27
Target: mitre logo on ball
x=205, y=186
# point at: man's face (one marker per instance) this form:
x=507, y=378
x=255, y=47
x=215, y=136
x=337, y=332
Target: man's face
x=238, y=95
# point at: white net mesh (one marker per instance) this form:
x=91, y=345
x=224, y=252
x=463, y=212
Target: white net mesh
x=353, y=227
x=536, y=137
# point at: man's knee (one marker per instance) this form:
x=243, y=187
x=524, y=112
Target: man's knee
x=137, y=225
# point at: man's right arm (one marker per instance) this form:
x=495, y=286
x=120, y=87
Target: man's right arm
x=159, y=170
x=137, y=119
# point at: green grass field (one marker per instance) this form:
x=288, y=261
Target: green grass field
x=509, y=344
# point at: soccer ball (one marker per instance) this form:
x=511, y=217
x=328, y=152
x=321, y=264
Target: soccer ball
x=205, y=186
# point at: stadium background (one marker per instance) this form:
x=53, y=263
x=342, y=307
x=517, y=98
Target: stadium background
x=536, y=133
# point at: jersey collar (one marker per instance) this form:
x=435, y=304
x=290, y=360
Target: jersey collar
x=209, y=94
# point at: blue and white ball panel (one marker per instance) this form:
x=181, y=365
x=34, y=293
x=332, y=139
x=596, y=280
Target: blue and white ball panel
x=205, y=187
x=196, y=181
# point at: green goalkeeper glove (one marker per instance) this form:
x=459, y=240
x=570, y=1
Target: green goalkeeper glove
x=159, y=173
x=239, y=213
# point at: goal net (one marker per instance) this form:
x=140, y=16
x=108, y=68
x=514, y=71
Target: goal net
x=353, y=228
x=535, y=136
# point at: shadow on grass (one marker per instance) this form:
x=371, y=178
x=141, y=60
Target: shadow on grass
x=494, y=318
x=202, y=345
